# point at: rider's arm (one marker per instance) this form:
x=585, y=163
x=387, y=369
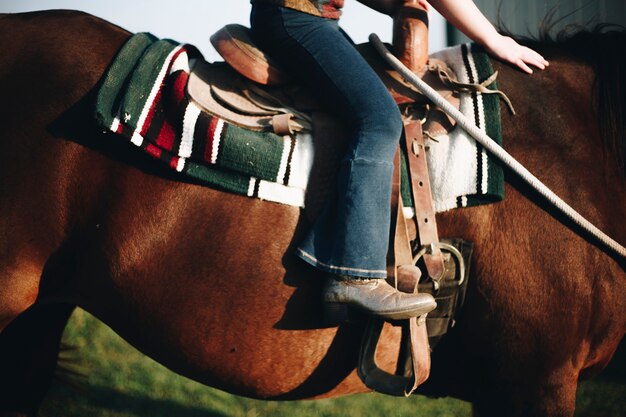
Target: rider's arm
x=466, y=17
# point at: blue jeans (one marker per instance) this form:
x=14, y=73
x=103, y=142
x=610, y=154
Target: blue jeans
x=351, y=235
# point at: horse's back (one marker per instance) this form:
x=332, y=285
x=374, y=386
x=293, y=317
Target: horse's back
x=61, y=47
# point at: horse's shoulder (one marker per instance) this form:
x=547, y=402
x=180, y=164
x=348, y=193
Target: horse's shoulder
x=58, y=21
x=47, y=15
x=71, y=16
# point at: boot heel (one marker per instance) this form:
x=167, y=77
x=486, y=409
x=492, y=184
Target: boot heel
x=338, y=313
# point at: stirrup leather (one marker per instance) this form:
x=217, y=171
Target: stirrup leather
x=415, y=352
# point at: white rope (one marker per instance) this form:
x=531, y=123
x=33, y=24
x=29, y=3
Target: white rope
x=495, y=149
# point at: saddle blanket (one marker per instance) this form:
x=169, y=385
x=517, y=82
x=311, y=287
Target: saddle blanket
x=143, y=99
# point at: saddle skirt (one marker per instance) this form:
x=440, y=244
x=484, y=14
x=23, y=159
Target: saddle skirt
x=215, y=126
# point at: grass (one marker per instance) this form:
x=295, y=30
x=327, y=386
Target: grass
x=118, y=381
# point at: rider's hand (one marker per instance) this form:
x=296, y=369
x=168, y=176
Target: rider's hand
x=508, y=50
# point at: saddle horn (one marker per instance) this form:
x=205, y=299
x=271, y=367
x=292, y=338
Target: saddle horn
x=410, y=35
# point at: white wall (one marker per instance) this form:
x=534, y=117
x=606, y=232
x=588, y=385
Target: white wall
x=194, y=21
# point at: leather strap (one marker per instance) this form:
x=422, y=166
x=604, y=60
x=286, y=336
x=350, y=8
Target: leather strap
x=422, y=198
x=415, y=335
x=401, y=253
x=281, y=123
x=420, y=353
x=410, y=35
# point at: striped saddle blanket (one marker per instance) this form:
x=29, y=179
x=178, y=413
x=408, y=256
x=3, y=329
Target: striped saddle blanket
x=144, y=99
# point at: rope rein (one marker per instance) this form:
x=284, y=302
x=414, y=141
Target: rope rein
x=496, y=150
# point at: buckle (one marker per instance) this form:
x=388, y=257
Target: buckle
x=436, y=247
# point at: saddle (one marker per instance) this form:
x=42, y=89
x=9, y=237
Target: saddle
x=263, y=97
x=235, y=44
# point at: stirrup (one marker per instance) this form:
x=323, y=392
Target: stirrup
x=382, y=381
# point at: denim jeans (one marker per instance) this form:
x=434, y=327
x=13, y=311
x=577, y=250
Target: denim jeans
x=351, y=235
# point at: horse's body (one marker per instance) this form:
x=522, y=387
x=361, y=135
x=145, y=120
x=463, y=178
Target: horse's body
x=205, y=283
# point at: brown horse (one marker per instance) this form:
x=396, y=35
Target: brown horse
x=204, y=282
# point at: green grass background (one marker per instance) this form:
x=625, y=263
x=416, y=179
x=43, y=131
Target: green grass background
x=118, y=381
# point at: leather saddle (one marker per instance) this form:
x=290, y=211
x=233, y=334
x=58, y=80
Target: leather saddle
x=235, y=44
x=261, y=96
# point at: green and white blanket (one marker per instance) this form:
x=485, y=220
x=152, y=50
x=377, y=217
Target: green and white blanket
x=462, y=173
x=143, y=99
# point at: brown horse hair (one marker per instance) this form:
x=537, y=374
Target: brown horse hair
x=603, y=47
x=605, y=51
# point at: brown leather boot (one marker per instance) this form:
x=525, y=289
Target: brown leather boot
x=376, y=297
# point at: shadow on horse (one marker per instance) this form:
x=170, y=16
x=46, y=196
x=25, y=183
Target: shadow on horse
x=205, y=283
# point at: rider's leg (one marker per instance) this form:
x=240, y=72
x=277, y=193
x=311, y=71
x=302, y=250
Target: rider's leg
x=350, y=238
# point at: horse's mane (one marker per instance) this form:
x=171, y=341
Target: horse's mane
x=604, y=48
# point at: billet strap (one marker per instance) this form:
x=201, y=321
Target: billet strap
x=400, y=247
x=422, y=198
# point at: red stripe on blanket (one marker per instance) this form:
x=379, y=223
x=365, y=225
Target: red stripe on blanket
x=208, y=151
x=150, y=114
x=167, y=134
x=178, y=87
x=153, y=150
x=174, y=162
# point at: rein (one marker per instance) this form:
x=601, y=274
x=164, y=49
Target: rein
x=497, y=150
